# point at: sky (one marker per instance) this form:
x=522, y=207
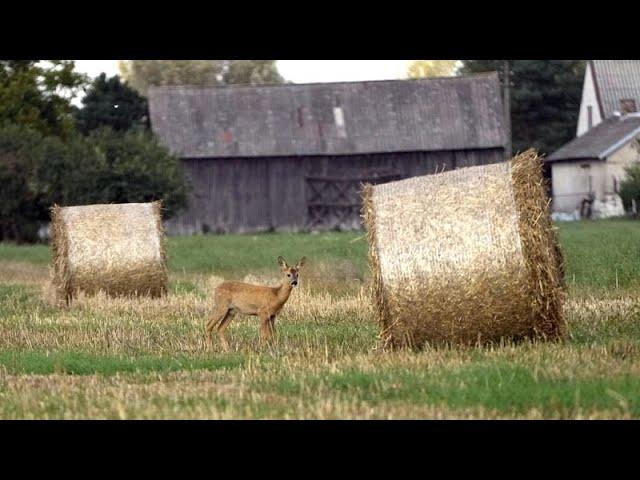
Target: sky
x=297, y=71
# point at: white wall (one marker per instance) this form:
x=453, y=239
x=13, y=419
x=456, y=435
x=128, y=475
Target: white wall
x=589, y=98
x=570, y=182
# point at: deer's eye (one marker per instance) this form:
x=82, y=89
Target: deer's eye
x=288, y=274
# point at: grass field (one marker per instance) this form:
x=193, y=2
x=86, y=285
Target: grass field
x=124, y=358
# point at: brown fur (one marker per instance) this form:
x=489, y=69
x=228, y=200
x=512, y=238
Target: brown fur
x=263, y=302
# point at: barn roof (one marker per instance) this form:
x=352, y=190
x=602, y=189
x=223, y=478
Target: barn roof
x=601, y=141
x=616, y=80
x=330, y=118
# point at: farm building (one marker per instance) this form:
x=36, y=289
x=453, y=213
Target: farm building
x=586, y=173
x=293, y=157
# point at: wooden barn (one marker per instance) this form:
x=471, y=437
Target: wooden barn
x=293, y=157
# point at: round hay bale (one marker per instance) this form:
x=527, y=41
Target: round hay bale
x=467, y=256
x=116, y=248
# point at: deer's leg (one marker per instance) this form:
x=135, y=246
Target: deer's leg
x=272, y=326
x=264, y=327
x=222, y=326
x=217, y=317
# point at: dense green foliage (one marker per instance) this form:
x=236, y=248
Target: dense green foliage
x=37, y=95
x=105, y=167
x=111, y=103
x=20, y=202
x=134, y=167
x=630, y=186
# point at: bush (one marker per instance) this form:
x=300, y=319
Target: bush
x=630, y=187
x=105, y=167
x=20, y=209
x=134, y=167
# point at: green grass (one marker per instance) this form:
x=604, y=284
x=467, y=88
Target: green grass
x=81, y=363
x=497, y=385
x=36, y=254
x=598, y=251
x=595, y=252
x=242, y=254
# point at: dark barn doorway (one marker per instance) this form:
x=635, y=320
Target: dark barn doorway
x=334, y=203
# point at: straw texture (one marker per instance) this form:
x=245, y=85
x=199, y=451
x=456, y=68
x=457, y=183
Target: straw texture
x=116, y=248
x=467, y=256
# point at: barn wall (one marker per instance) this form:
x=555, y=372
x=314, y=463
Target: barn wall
x=263, y=193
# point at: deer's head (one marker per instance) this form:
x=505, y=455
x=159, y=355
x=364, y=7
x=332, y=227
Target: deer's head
x=291, y=272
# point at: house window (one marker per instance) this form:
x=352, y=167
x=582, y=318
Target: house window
x=615, y=185
x=589, y=117
x=627, y=105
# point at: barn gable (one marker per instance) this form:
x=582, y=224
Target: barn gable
x=456, y=113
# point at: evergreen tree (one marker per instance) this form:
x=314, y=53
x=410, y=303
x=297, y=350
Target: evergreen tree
x=111, y=103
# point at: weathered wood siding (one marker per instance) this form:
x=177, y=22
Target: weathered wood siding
x=257, y=194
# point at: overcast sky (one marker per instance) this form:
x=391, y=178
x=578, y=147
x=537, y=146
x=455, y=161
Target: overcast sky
x=298, y=71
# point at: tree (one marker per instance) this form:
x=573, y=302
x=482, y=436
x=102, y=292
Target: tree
x=253, y=72
x=67, y=173
x=134, y=167
x=630, y=186
x=545, y=99
x=38, y=95
x=432, y=68
x=141, y=74
x=111, y=103
x=19, y=206
x=104, y=167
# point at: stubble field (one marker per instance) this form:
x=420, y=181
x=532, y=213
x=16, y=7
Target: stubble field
x=144, y=358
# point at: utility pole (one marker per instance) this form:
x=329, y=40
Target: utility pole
x=507, y=108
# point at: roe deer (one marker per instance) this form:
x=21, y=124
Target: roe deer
x=263, y=302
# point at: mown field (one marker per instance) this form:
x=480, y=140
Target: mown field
x=124, y=358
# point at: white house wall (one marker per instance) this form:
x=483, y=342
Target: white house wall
x=589, y=98
x=570, y=183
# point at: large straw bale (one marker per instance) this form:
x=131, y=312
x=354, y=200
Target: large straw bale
x=115, y=248
x=466, y=256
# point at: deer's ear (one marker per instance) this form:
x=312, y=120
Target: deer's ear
x=301, y=262
x=282, y=263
